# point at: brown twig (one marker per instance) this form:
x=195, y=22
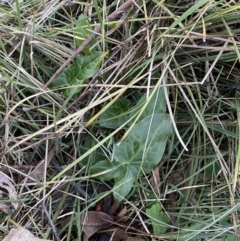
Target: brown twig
x=97, y=30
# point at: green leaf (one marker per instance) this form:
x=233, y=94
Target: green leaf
x=124, y=183
x=142, y=149
x=82, y=68
x=120, y=110
x=145, y=144
x=158, y=219
x=102, y=166
x=94, y=156
x=116, y=114
x=82, y=31
x=156, y=104
x=212, y=170
x=230, y=237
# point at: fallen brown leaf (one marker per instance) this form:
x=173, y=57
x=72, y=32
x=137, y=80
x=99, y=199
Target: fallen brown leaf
x=6, y=208
x=6, y=184
x=21, y=234
x=93, y=221
x=116, y=234
x=38, y=172
x=31, y=172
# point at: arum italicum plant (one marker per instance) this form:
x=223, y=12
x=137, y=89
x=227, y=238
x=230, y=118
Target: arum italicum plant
x=149, y=110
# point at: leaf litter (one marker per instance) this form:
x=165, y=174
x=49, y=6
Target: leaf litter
x=5, y=183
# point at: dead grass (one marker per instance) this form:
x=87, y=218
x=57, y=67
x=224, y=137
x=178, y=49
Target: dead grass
x=49, y=142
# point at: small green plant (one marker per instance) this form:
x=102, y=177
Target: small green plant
x=143, y=147
x=159, y=219
x=82, y=31
x=84, y=66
